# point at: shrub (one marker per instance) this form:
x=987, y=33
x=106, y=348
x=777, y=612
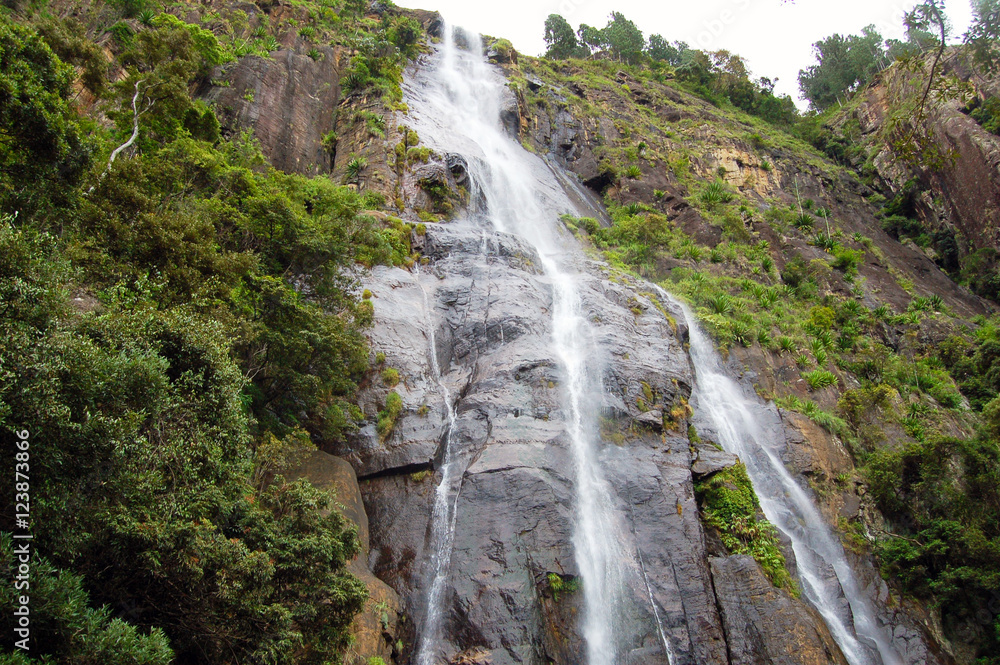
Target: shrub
x=730, y=505
x=716, y=192
x=387, y=417
x=632, y=172
x=390, y=377
x=795, y=272
x=847, y=260
x=820, y=379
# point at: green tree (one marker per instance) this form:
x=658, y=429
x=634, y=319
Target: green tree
x=844, y=65
x=42, y=151
x=561, y=40
x=146, y=468
x=591, y=37
x=984, y=32
x=660, y=50
x=624, y=39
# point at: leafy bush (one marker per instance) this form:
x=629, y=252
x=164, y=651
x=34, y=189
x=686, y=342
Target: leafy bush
x=390, y=377
x=43, y=152
x=60, y=613
x=147, y=475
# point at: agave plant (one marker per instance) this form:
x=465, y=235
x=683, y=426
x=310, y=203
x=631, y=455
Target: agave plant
x=355, y=167
x=721, y=304
x=715, y=193
x=768, y=300
x=851, y=309
x=803, y=222
x=633, y=172
x=820, y=379
x=741, y=333
x=786, y=344
x=824, y=241
x=821, y=357
x=882, y=313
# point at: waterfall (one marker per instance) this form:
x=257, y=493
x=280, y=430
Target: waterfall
x=738, y=420
x=456, y=108
x=444, y=511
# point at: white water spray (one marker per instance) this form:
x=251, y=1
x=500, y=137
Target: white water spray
x=457, y=109
x=823, y=568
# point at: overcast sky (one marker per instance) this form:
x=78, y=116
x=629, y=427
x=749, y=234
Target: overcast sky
x=775, y=37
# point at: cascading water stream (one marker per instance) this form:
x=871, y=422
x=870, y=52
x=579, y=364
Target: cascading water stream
x=825, y=573
x=444, y=511
x=457, y=109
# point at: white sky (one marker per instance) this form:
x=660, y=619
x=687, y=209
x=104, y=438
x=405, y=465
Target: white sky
x=775, y=37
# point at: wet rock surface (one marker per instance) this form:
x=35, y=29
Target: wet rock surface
x=489, y=306
x=765, y=624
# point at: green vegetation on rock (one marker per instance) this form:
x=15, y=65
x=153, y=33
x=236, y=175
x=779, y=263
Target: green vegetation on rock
x=730, y=505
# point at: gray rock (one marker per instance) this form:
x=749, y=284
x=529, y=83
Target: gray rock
x=765, y=624
x=710, y=459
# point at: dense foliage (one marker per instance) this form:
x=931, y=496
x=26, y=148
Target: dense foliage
x=846, y=64
x=179, y=325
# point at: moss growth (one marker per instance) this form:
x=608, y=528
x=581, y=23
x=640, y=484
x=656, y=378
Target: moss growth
x=560, y=585
x=730, y=505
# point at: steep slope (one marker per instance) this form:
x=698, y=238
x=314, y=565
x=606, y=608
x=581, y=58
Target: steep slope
x=479, y=310
x=950, y=189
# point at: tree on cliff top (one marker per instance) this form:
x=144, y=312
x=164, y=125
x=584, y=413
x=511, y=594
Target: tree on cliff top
x=561, y=40
x=845, y=64
x=624, y=39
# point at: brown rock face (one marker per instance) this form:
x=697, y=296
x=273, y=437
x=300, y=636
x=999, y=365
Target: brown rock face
x=966, y=195
x=375, y=627
x=765, y=624
x=287, y=100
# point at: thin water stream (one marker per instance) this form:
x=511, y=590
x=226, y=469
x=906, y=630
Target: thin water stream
x=739, y=421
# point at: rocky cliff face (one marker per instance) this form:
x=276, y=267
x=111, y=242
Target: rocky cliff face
x=489, y=308
x=963, y=196
x=512, y=593
x=556, y=115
